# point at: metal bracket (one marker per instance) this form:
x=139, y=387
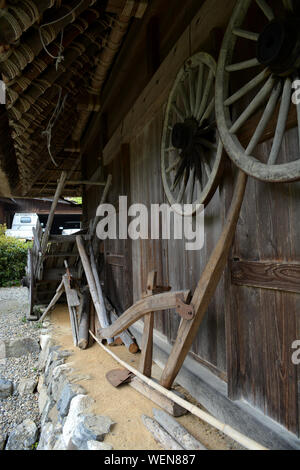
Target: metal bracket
x=185, y=311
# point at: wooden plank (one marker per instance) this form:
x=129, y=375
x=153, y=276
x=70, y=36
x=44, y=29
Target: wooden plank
x=55, y=274
x=178, y=432
x=160, y=400
x=58, y=294
x=115, y=260
x=72, y=295
x=160, y=435
x=61, y=255
x=267, y=275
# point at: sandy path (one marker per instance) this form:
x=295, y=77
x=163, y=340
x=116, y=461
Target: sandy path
x=124, y=405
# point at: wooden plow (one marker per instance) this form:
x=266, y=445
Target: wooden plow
x=191, y=309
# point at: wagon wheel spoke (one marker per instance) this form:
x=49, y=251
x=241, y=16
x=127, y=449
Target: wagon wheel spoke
x=246, y=64
x=281, y=123
x=199, y=88
x=271, y=86
x=269, y=110
x=206, y=93
x=209, y=110
x=185, y=100
x=288, y=5
x=242, y=33
x=173, y=166
x=191, y=187
x=259, y=99
x=182, y=189
x=191, y=92
x=266, y=9
x=179, y=113
x=246, y=88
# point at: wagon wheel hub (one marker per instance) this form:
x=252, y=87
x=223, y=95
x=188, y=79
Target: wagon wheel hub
x=186, y=135
x=183, y=134
x=279, y=45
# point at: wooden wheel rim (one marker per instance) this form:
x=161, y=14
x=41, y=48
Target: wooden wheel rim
x=286, y=172
x=210, y=187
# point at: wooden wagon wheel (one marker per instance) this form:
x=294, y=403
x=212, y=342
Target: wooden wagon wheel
x=263, y=84
x=191, y=151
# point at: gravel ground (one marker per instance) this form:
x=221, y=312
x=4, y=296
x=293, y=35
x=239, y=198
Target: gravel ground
x=15, y=409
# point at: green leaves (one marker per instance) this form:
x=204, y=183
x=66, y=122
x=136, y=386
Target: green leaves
x=13, y=259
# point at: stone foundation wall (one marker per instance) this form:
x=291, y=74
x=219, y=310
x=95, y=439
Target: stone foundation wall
x=66, y=420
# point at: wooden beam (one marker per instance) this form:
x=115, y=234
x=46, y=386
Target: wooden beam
x=46, y=235
x=267, y=275
x=86, y=182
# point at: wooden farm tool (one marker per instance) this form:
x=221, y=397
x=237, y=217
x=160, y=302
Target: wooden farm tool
x=119, y=377
x=147, y=340
x=194, y=314
x=206, y=287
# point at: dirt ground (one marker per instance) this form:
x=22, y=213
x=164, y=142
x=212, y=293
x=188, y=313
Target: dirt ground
x=124, y=405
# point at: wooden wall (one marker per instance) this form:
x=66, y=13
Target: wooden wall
x=247, y=334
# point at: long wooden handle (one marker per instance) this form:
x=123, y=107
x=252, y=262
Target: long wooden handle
x=206, y=287
x=154, y=303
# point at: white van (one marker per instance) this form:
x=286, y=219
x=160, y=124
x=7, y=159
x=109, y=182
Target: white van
x=22, y=226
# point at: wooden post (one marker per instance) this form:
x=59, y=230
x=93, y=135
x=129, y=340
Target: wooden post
x=46, y=234
x=101, y=313
x=73, y=302
x=99, y=292
x=84, y=321
x=145, y=365
x=206, y=287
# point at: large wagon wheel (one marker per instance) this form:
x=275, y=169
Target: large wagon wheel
x=191, y=152
x=262, y=96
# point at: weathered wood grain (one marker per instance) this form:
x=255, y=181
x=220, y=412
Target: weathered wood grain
x=267, y=275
